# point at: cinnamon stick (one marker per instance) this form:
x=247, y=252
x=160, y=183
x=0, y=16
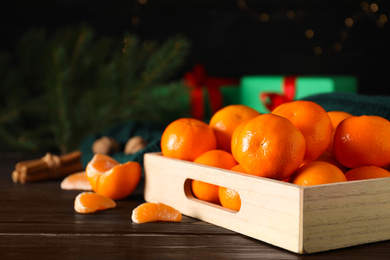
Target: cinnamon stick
x=48, y=167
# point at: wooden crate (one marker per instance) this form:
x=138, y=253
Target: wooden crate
x=299, y=219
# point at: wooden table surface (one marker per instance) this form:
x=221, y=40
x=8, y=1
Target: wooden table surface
x=37, y=220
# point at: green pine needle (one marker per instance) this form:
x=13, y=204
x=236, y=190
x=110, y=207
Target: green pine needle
x=62, y=87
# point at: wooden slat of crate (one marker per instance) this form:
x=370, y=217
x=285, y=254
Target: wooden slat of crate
x=299, y=219
x=346, y=214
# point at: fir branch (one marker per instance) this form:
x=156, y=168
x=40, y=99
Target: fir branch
x=78, y=84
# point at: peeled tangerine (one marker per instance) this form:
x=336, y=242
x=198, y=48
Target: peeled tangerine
x=150, y=212
x=112, y=179
x=76, y=181
x=89, y=202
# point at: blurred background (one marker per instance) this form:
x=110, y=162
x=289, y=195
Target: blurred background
x=42, y=48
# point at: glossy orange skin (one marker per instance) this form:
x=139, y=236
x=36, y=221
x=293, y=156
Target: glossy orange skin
x=205, y=191
x=329, y=158
x=112, y=179
x=229, y=198
x=366, y=172
x=362, y=141
x=238, y=168
x=336, y=117
x=317, y=173
x=216, y=158
x=225, y=121
x=314, y=123
x=270, y=146
x=234, y=139
x=187, y=138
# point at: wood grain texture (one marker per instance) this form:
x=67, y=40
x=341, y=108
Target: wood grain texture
x=346, y=214
x=37, y=221
x=269, y=209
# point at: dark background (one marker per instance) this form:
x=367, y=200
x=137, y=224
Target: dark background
x=229, y=37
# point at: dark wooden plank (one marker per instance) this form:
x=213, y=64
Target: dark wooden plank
x=37, y=220
x=163, y=246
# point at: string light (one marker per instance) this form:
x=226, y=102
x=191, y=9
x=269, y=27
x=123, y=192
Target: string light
x=290, y=14
x=370, y=10
x=349, y=22
x=309, y=33
x=374, y=7
x=264, y=17
x=317, y=50
x=135, y=19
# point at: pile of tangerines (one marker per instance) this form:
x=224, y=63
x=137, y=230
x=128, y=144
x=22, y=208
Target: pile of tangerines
x=298, y=142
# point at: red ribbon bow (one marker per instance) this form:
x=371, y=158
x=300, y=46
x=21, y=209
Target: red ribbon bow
x=273, y=100
x=197, y=79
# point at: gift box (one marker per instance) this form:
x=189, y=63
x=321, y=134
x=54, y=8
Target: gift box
x=230, y=95
x=264, y=93
x=208, y=94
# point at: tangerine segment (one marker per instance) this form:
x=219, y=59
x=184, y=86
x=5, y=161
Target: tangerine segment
x=316, y=173
x=362, y=141
x=76, y=181
x=225, y=121
x=314, y=123
x=187, y=138
x=229, y=198
x=116, y=182
x=89, y=202
x=151, y=212
x=366, y=172
x=270, y=146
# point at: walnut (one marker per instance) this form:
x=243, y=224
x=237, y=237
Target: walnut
x=105, y=145
x=134, y=144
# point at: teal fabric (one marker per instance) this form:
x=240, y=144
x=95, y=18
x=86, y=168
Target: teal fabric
x=150, y=131
x=352, y=103
x=355, y=104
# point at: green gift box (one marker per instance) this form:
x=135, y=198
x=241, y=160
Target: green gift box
x=264, y=93
x=230, y=95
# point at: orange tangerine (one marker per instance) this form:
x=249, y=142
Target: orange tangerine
x=270, y=146
x=329, y=158
x=366, y=172
x=314, y=123
x=238, y=168
x=216, y=158
x=336, y=117
x=187, y=138
x=225, y=121
x=362, y=141
x=112, y=179
x=229, y=198
x=316, y=173
x=234, y=140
